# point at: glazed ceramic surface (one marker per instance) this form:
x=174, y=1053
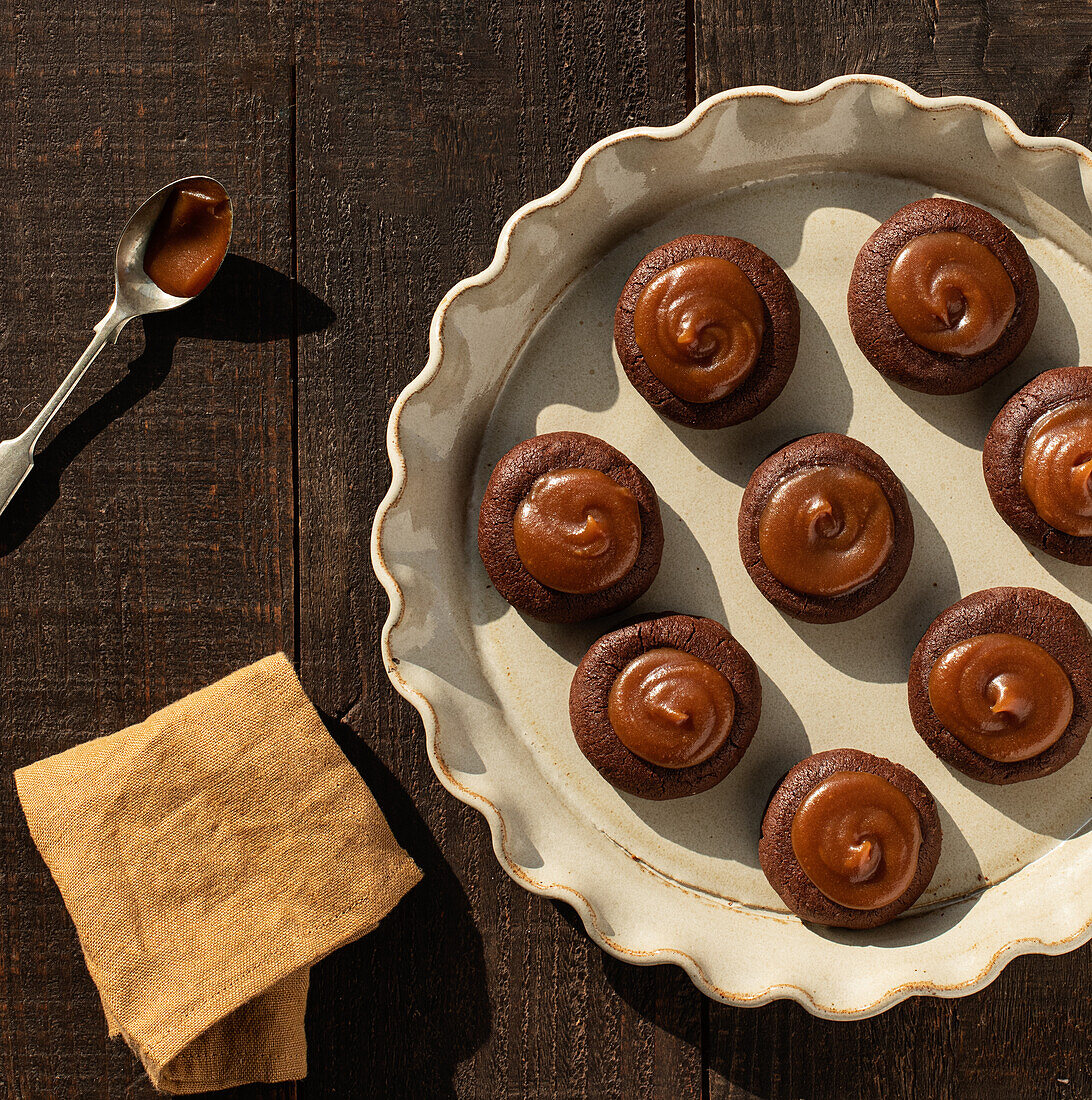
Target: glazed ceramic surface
x=526, y=347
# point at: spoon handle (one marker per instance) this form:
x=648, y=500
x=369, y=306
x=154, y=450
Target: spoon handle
x=17, y=455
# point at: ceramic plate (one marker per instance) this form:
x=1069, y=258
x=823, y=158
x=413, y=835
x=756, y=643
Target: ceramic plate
x=526, y=347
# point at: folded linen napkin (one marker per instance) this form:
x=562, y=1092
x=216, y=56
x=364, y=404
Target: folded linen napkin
x=208, y=857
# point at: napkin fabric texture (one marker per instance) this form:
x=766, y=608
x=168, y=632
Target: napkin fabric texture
x=209, y=856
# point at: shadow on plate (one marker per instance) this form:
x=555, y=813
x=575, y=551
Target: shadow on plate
x=1076, y=578
x=1056, y=805
x=569, y=359
x=571, y=641
x=687, y=582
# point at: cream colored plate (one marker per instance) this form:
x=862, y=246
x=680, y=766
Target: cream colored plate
x=526, y=347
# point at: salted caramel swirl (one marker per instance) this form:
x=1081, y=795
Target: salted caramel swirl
x=671, y=708
x=826, y=530
x=577, y=530
x=950, y=294
x=1057, y=469
x=1003, y=696
x=699, y=325
x=857, y=837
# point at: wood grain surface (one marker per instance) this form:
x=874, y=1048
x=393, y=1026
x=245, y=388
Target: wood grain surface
x=206, y=497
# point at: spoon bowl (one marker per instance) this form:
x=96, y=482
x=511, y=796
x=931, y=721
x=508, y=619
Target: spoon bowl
x=134, y=289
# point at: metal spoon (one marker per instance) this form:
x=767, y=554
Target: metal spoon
x=134, y=296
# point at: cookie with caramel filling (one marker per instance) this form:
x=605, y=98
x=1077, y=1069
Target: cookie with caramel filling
x=1000, y=685
x=707, y=329
x=1037, y=461
x=569, y=528
x=666, y=706
x=825, y=529
x=850, y=839
x=942, y=297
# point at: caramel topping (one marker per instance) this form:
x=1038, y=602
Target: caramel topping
x=857, y=838
x=826, y=530
x=671, y=708
x=1057, y=474
x=577, y=531
x=950, y=294
x=189, y=239
x=699, y=325
x=1004, y=697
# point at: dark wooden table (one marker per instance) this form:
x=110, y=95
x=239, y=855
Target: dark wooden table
x=206, y=498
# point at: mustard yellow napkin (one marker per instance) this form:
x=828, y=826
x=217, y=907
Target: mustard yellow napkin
x=208, y=857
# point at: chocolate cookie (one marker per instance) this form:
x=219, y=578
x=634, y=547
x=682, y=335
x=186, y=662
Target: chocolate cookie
x=1002, y=695
x=569, y=528
x=825, y=530
x=1035, y=461
x=665, y=707
x=850, y=839
x=707, y=329
x=942, y=297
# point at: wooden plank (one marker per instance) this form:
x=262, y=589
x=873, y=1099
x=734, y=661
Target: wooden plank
x=1028, y=1034
x=152, y=551
x=1032, y=59
x=422, y=126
